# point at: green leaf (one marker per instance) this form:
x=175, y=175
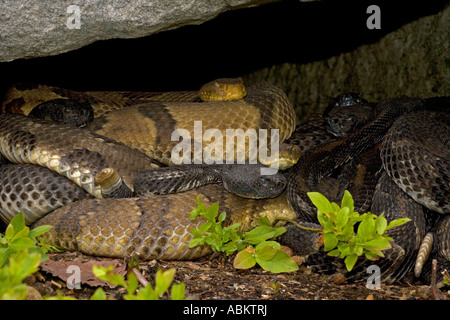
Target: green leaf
x=132, y=283
x=366, y=228
x=40, y=251
x=279, y=231
x=281, y=262
x=212, y=212
x=350, y=261
x=397, y=222
x=320, y=201
x=327, y=224
x=335, y=207
x=379, y=243
x=194, y=214
x=99, y=294
x=23, y=264
x=107, y=274
x=9, y=233
x=244, y=260
x=21, y=244
x=342, y=217
x=265, y=252
x=204, y=227
x=380, y=224
x=217, y=228
x=234, y=226
x=18, y=222
x=240, y=245
x=334, y=252
x=330, y=241
x=372, y=255
x=359, y=250
x=200, y=206
x=4, y=255
x=344, y=248
x=347, y=201
x=39, y=230
x=146, y=293
x=264, y=221
x=177, y=291
x=274, y=244
x=322, y=218
x=230, y=247
x=23, y=233
x=222, y=217
x=259, y=234
x=196, y=242
x=348, y=231
x=163, y=280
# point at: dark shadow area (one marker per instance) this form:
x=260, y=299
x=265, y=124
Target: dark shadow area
x=235, y=43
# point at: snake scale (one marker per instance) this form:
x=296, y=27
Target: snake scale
x=86, y=153
x=157, y=226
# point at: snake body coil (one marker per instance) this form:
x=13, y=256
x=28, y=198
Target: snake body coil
x=74, y=153
x=377, y=161
x=81, y=155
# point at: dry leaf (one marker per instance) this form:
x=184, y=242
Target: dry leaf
x=71, y=269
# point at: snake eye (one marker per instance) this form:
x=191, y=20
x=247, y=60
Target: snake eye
x=263, y=181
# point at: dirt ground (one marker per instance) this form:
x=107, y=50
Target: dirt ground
x=217, y=279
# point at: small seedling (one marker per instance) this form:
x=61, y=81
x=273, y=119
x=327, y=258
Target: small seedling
x=20, y=265
x=20, y=255
x=254, y=247
x=19, y=237
x=339, y=235
x=163, y=280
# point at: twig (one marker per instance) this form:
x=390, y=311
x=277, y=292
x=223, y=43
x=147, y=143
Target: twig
x=299, y=225
x=140, y=277
x=433, y=280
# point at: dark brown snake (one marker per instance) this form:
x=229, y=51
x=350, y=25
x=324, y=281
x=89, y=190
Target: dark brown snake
x=403, y=167
x=157, y=227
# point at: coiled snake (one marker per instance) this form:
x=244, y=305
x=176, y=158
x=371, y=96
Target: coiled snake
x=157, y=226
x=80, y=155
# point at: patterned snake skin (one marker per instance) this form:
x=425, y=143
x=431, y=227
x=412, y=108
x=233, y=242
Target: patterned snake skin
x=155, y=227
x=86, y=153
x=403, y=167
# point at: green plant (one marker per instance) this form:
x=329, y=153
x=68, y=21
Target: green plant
x=20, y=255
x=20, y=265
x=253, y=246
x=19, y=237
x=163, y=280
x=339, y=224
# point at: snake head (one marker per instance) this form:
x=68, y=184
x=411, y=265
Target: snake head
x=246, y=181
x=224, y=89
x=77, y=113
x=346, y=100
x=347, y=114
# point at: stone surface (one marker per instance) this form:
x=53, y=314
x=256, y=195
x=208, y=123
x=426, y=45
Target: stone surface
x=412, y=60
x=36, y=28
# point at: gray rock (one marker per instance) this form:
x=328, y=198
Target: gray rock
x=36, y=28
